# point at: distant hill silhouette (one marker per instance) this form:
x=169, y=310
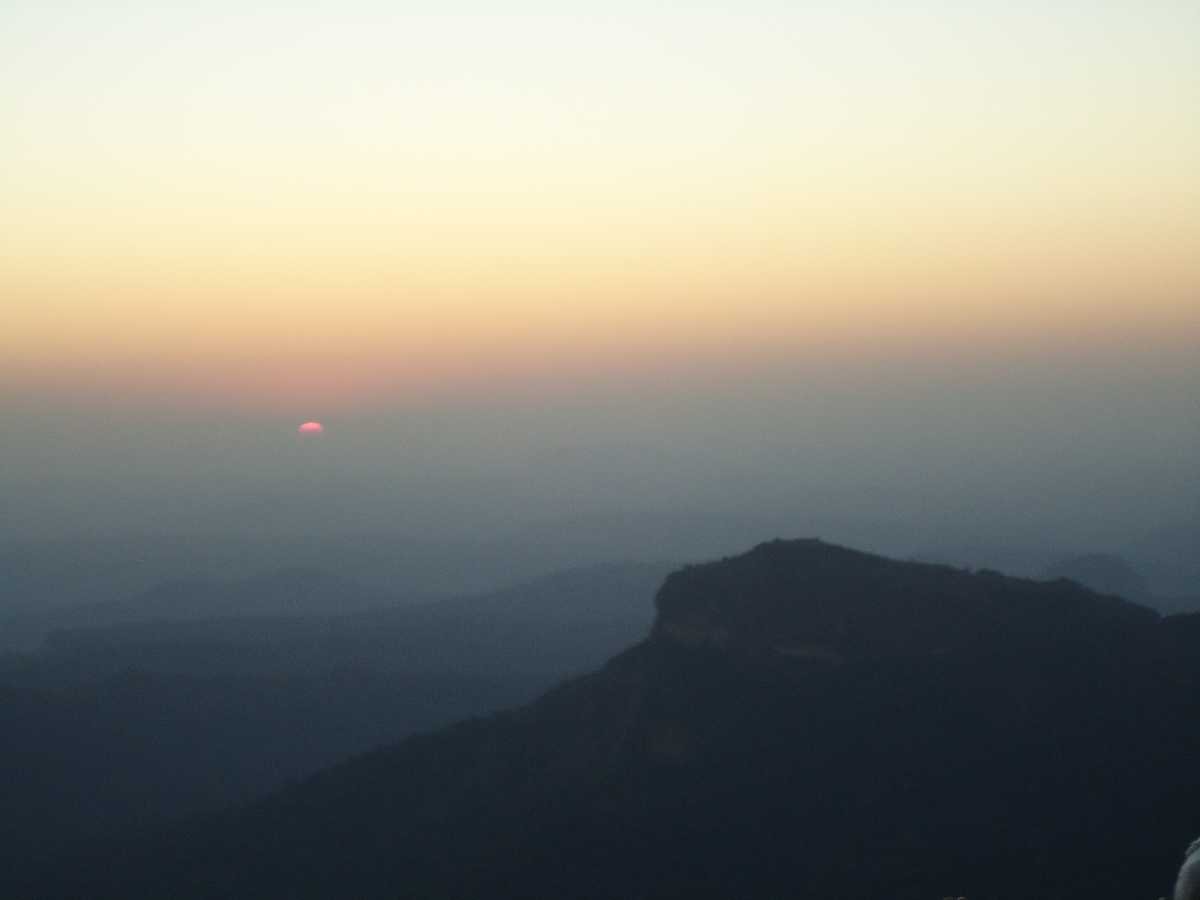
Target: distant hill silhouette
x=804, y=720
x=284, y=592
x=547, y=628
x=1105, y=573
x=295, y=591
x=131, y=724
x=1170, y=557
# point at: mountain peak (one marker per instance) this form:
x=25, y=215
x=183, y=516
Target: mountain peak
x=810, y=599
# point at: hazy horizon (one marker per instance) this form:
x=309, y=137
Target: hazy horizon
x=653, y=280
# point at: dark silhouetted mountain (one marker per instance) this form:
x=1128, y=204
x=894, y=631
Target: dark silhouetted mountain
x=796, y=598
x=803, y=720
x=1105, y=573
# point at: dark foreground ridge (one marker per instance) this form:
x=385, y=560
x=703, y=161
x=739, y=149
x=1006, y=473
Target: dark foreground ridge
x=803, y=721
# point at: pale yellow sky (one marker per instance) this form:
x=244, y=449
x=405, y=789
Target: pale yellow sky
x=341, y=199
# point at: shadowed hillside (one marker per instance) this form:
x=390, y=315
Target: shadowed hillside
x=804, y=720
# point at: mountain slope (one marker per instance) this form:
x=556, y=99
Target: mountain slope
x=803, y=721
x=136, y=724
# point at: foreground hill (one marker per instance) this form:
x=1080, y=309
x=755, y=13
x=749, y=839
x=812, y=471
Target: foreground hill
x=803, y=720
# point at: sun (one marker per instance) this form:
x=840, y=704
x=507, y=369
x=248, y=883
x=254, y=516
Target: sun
x=311, y=428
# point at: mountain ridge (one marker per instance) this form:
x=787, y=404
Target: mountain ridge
x=1038, y=761
x=807, y=596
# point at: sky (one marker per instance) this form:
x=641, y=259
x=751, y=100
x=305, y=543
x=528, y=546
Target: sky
x=916, y=257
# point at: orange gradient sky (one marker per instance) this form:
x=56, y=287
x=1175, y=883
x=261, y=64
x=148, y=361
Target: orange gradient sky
x=275, y=203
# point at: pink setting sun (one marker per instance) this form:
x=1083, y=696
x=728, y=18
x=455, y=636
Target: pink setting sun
x=311, y=428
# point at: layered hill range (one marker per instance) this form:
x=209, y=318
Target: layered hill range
x=134, y=722
x=803, y=721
